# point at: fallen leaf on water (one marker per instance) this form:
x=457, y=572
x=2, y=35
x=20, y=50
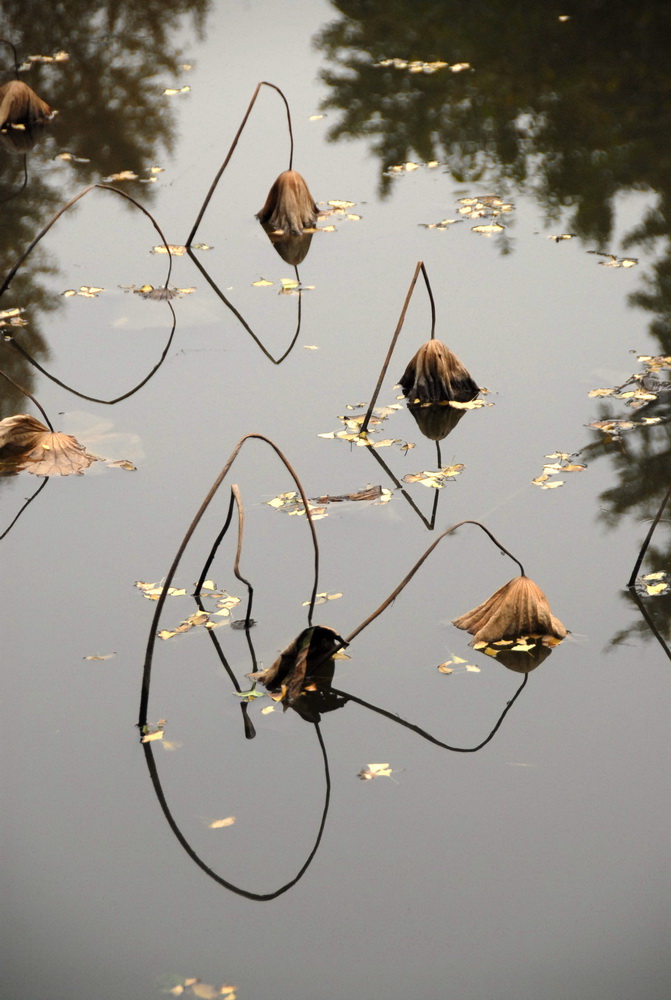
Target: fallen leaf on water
x=27, y=445
x=489, y=228
x=267, y=710
x=122, y=175
x=249, y=695
x=71, y=158
x=218, y=824
x=435, y=480
x=374, y=771
x=97, y=656
x=323, y=598
x=262, y=283
x=205, y=991
x=170, y=91
x=122, y=463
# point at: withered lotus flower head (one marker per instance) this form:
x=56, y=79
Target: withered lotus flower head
x=289, y=205
x=519, y=608
x=20, y=105
x=437, y=375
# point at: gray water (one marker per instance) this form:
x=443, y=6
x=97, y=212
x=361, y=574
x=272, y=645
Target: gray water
x=537, y=866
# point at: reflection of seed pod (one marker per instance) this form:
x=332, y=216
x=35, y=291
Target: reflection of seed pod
x=523, y=662
x=518, y=608
x=289, y=205
x=437, y=420
x=292, y=247
x=22, y=140
x=436, y=375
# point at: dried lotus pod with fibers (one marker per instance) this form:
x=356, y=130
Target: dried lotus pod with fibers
x=20, y=105
x=518, y=608
x=289, y=205
x=436, y=375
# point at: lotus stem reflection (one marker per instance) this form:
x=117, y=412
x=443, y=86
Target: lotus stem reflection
x=436, y=375
x=516, y=609
x=289, y=205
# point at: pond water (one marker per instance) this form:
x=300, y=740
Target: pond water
x=537, y=866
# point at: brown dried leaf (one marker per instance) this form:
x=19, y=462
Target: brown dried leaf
x=27, y=445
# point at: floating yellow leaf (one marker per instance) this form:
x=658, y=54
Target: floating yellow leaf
x=656, y=588
x=96, y=656
x=374, y=771
x=170, y=91
x=219, y=824
x=262, y=283
x=342, y=204
x=488, y=228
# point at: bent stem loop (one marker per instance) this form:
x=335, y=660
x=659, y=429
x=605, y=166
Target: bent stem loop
x=399, y=326
x=146, y=675
x=68, y=205
x=213, y=185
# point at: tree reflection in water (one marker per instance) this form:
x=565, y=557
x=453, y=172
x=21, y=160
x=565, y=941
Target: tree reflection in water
x=569, y=110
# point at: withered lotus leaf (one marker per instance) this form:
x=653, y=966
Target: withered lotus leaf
x=289, y=205
x=20, y=105
x=437, y=375
x=516, y=609
x=26, y=445
x=307, y=657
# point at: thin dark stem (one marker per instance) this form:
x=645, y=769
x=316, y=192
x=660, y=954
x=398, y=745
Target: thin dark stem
x=653, y=628
x=26, y=504
x=146, y=675
x=16, y=58
x=213, y=551
x=397, y=331
x=208, y=196
x=648, y=539
x=397, y=590
x=94, y=399
x=68, y=205
x=259, y=896
x=236, y=570
x=433, y=304
x=428, y=523
x=250, y=732
x=423, y=733
x=31, y=397
x=229, y=305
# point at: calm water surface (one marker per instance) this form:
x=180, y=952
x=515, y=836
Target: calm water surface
x=535, y=867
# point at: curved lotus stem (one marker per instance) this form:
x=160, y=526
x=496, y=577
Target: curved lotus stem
x=208, y=196
x=146, y=675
